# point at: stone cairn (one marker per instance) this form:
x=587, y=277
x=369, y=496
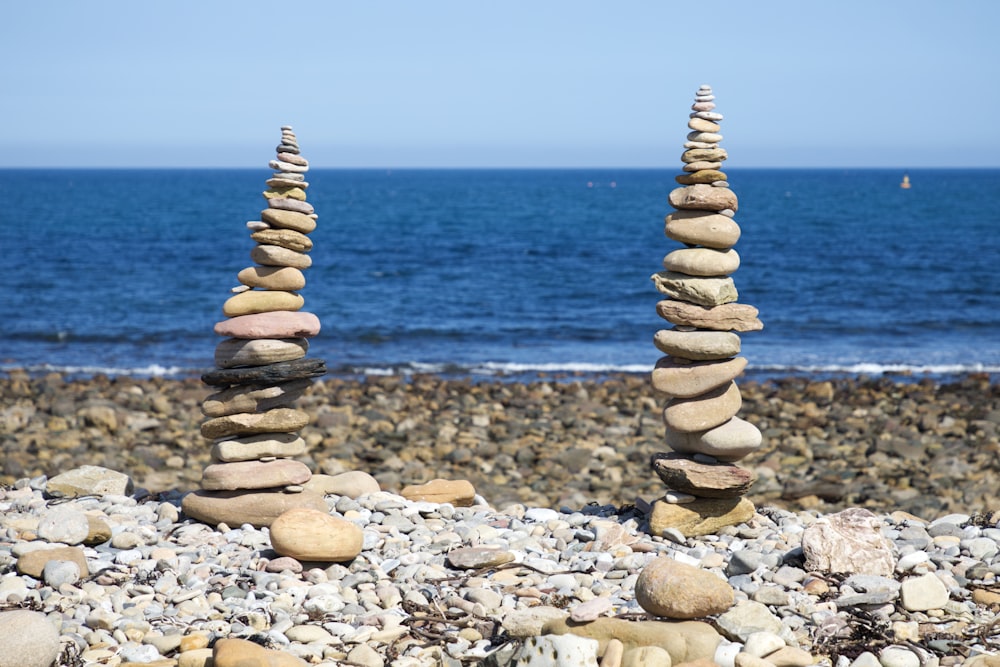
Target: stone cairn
x=261, y=366
x=704, y=489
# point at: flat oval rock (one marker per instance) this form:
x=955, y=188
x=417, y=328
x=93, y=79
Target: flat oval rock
x=283, y=238
x=260, y=446
x=704, y=480
x=702, y=125
x=730, y=441
x=706, y=228
x=695, y=289
x=702, y=261
x=252, y=475
x=311, y=535
x=682, y=378
x=703, y=412
x=270, y=374
x=700, y=197
x=261, y=301
x=236, y=352
x=299, y=222
x=278, y=420
x=697, y=345
x=296, y=205
x=724, y=317
x=253, y=398
x=701, y=176
x=234, y=508
x=272, y=324
x=285, y=192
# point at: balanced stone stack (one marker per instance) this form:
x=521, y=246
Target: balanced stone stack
x=697, y=375
x=261, y=366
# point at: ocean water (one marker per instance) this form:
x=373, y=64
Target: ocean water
x=501, y=272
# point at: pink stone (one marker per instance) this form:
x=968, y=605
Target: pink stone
x=254, y=475
x=272, y=324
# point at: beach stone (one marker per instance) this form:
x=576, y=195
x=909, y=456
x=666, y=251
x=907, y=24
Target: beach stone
x=296, y=205
x=701, y=176
x=898, y=656
x=791, y=656
x=683, y=640
x=745, y=619
x=591, y=610
x=292, y=158
x=703, y=412
x=89, y=480
x=285, y=278
x=234, y=508
x=725, y=317
x=474, y=558
x=262, y=445
x=849, y=541
x=285, y=192
x=286, y=182
x=274, y=255
x=701, y=197
x=28, y=639
x=298, y=222
x=704, y=516
x=702, y=125
x=701, y=165
x=278, y=420
x=557, y=651
x=287, y=167
x=350, y=484
x=33, y=563
x=253, y=398
x=231, y=652
x=98, y=531
x=459, y=493
x=261, y=301
x=698, y=290
x=254, y=475
x=283, y=238
x=614, y=653
x=314, y=535
x=924, y=592
x=364, y=655
x=59, y=572
x=702, y=261
x=680, y=377
x=531, y=621
x=669, y=588
x=64, y=525
x=717, y=154
x=728, y=442
x=705, y=480
x=705, y=137
x=262, y=375
x=236, y=352
x=697, y=345
x=760, y=644
x=646, y=656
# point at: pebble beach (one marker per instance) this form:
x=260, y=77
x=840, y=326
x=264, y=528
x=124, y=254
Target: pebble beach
x=556, y=536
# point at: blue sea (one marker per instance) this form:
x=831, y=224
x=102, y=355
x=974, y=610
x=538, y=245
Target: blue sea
x=501, y=272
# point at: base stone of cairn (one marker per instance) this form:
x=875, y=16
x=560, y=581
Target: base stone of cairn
x=704, y=488
x=261, y=366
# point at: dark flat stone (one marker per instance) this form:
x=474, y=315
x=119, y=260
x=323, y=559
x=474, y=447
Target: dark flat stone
x=266, y=375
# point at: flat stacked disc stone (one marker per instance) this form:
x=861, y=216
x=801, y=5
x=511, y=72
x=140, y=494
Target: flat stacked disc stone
x=680, y=377
x=258, y=508
x=286, y=192
x=285, y=278
x=704, y=480
x=697, y=345
x=263, y=445
x=253, y=398
x=702, y=261
x=272, y=324
x=293, y=158
x=280, y=183
x=701, y=165
x=254, y=475
x=701, y=197
x=701, y=176
x=693, y=289
x=712, y=230
x=271, y=374
x=703, y=412
x=278, y=420
x=236, y=352
x=261, y=301
x=704, y=154
x=298, y=222
x=291, y=205
x=730, y=441
x=702, y=125
x=288, y=167
x=284, y=238
x=272, y=255
x=726, y=317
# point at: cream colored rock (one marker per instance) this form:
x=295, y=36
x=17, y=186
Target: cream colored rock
x=725, y=317
x=253, y=398
x=697, y=345
x=703, y=516
x=701, y=176
x=272, y=255
x=459, y=493
x=260, y=446
x=298, y=222
x=284, y=238
x=705, y=228
x=245, y=653
x=703, y=197
x=685, y=641
x=683, y=378
x=234, y=508
x=237, y=352
x=310, y=535
x=278, y=420
x=702, y=125
x=286, y=278
x=849, y=541
x=702, y=261
x=261, y=301
x=728, y=442
x=701, y=291
x=672, y=589
x=704, y=412
x=254, y=475
x=352, y=484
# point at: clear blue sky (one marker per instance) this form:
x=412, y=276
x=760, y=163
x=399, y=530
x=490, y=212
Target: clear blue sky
x=403, y=83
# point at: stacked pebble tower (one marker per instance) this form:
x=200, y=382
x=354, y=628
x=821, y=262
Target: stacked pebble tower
x=704, y=489
x=261, y=366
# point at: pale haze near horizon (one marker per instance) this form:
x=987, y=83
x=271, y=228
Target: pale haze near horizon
x=394, y=84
